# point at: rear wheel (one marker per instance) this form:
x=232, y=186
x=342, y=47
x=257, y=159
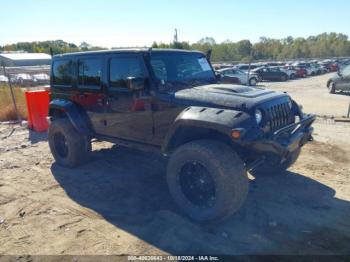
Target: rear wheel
x=207, y=180
x=284, y=78
x=292, y=76
x=68, y=147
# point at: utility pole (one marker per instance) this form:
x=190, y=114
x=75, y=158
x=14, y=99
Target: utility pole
x=175, y=37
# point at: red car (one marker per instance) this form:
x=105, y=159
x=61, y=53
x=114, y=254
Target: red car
x=333, y=67
x=299, y=71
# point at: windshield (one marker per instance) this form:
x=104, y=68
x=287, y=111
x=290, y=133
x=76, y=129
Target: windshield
x=181, y=70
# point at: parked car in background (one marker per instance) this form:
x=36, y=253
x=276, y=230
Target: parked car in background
x=333, y=67
x=246, y=67
x=318, y=69
x=226, y=79
x=42, y=79
x=275, y=64
x=3, y=79
x=340, y=81
x=290, y=71
x=242, y=76
x=300, y=71
x=270, y=73
x=23, y=80
x=330, y=66
x=309, y=69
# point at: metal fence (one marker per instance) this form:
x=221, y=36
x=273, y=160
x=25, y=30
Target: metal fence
x=26, y=76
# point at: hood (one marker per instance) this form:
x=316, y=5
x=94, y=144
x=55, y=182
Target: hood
x=226, y=96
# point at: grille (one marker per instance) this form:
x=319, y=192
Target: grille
x=279, y=116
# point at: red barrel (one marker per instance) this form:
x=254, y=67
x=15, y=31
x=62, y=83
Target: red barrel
x=38, y=109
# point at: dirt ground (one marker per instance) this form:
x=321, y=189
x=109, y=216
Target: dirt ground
x=119, y=202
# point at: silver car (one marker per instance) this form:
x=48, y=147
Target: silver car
x=243, y=77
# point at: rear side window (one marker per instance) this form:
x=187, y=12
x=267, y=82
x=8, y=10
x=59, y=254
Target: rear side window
x=62, y=71
x=89, y=72
x=123, y=67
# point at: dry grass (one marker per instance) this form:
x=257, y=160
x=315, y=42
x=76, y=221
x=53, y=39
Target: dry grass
x=7, y=110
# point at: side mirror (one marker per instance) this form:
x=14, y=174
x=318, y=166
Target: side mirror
x=135, y=83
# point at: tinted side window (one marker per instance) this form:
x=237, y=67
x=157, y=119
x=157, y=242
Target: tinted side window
x=159, y=69
x=89, y=72
x=62, y=71
x=123, y=67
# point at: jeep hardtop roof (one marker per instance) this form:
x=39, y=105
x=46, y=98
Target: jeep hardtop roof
x=126, y=50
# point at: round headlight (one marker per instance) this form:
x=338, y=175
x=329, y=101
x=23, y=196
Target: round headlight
x=258, y=116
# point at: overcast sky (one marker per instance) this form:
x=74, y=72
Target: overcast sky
x=114, y=23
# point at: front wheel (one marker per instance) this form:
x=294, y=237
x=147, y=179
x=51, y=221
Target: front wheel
x=207, y=180
x=284, y=78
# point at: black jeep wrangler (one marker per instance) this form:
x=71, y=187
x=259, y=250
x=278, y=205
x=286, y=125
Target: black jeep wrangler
x=171, y=101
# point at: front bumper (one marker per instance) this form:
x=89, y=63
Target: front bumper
x=285, y=140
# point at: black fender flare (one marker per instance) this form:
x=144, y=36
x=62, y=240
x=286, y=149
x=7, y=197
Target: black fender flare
x=194, y=122
x=75, y=113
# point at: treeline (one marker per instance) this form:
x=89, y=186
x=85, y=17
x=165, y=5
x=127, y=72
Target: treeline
x=320, y=46
x=57, y=46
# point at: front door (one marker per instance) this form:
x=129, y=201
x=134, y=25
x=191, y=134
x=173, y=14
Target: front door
x=128, y=113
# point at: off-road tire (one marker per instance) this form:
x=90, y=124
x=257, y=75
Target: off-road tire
x=331, y=87
x=292, y=76
x=226, y=170
x=78, y=146
x=274, y=168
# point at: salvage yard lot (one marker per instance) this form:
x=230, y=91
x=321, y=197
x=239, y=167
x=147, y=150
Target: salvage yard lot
x=313, y=95
x=119, y=202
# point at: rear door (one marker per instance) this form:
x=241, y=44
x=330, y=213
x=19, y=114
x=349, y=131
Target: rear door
x=90, y=93
x=78, y=79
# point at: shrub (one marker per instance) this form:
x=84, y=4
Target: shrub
x=7, y=110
